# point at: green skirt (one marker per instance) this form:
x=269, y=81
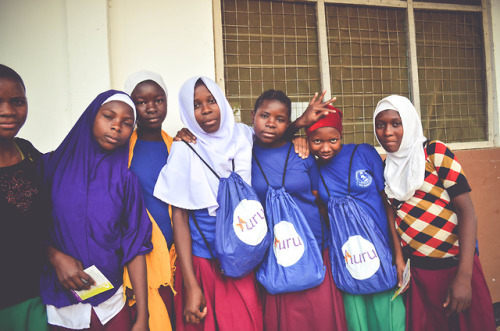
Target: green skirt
x=28, y=315
x=373, y=312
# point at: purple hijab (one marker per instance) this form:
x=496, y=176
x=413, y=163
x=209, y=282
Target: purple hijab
x=98, y=212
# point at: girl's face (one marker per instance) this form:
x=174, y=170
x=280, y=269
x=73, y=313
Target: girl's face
x=13, y=108
x=151, y=104
x=270, y=122
x=206, y=109
x=389, y=130
x=325, y=143
x=113, y=125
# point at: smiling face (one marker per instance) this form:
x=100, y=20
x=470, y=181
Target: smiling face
x=325, y=143
x=13, y=108
x=206, y=109
x=270, y=122
x=389, y=130
x=113, y=125
x=151, y=104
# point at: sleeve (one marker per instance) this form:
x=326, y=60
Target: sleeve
x=449, y=170
x=313, y=173
x=375, y=165
x=137, y=228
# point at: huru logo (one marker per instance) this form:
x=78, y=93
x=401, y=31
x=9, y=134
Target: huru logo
x=288, y=246
x=363, y=178
x=249, y=222
x=360, y=257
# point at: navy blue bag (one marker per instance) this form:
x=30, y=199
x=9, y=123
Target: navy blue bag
x=360, y=256
x=241, y=232
x=294, y=262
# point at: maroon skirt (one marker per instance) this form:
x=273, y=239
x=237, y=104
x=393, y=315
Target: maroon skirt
x=427, y=293
x=318, y=308
x=232, y=304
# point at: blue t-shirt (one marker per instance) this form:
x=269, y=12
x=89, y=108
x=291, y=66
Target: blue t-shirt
x=207, y=226
x=301, y=178
x=149, y=158
x=367, y=181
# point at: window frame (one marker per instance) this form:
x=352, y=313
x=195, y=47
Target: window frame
x=410, y=6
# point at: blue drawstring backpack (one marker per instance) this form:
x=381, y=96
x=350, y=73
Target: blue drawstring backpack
x=294, y=262
x=361, y=258
x=241, y=232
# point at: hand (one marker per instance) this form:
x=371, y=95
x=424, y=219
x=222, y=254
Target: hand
x=140, y=325
x=400, y=268
x=195, y=309
x=70, y=271
x=301, y=147
x=186, y=135
x=459, y=295
x=316, y=110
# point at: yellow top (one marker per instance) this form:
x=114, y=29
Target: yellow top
x=160, y=262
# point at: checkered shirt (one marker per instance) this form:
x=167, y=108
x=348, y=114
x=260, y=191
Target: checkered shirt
x=427, y=222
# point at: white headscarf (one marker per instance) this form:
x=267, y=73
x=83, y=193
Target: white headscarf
x=141, y=76
x=186, y=182
x=405, y=169
x=123, y=98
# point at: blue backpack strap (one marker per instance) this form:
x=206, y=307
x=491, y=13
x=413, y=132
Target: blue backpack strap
x=202, y=160
x=286, y=163
x=349, y=173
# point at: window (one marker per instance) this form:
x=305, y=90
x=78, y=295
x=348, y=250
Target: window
x=433, y=52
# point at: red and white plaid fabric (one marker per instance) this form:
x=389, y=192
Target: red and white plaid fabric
x=427, y=221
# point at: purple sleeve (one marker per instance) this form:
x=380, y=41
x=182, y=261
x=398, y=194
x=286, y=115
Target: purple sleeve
x=137, y=228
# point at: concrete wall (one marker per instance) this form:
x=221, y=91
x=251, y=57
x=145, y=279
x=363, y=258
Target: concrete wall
x=482, y=168
x=69, y=51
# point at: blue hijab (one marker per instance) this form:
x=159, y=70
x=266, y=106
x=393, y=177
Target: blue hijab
x=98, y=213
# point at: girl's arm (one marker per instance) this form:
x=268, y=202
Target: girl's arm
x=459, y=292
x=195, y=308
x=69, y=270
x=139, y=280
x=395, y=240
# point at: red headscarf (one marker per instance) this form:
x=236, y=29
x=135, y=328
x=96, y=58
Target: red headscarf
x=332, y=119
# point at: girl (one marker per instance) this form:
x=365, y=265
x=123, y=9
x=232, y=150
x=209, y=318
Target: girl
x=321, y=307
x=149, y=147
x=436, y=222
x=370, y=311
x=99, y=220
x=206, y=300
x=25, y=216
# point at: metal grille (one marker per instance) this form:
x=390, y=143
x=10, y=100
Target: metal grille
x=451, y=75
x=269, y=45
x=368, y=61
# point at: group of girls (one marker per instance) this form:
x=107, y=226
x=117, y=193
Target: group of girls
x=116, y=200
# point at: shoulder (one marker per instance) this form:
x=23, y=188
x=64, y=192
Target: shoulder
x=28, y=149
x=437, y=150
x=245, y=130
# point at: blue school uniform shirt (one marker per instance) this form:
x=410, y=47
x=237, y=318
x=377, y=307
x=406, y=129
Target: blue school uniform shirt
x=367, y=181
x=207, y=226
x=301, y=178
x=149, y=158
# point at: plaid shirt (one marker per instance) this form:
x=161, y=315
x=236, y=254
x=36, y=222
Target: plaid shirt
x=427, y=222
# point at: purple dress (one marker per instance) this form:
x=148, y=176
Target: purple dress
x=98, y=212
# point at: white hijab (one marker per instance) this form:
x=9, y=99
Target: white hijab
x=186, y=182
x=141, y=76
x=405, y=169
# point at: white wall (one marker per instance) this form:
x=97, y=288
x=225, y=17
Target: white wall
x=172, y=38
x=69, y=51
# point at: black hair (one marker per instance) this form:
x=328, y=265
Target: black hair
x=6, y=72
x=274, y=95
